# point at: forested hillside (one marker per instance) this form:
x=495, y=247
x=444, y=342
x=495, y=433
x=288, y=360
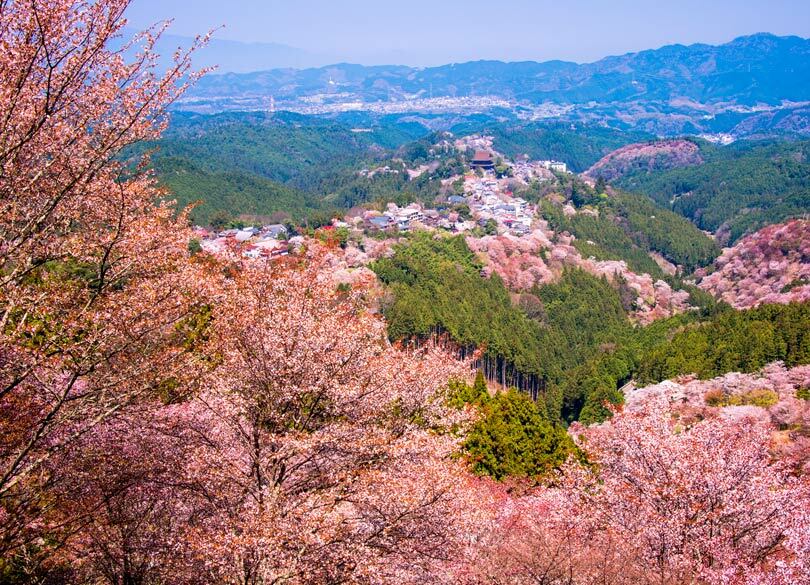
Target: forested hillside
x=230, y=193
x=256, y=164
x=538, y=341
x=579, y=146
x=437, y=289
x=738, y=189
x=570, y=343
x=734, y=341
x=625, y=226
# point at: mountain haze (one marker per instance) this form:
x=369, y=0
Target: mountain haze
x=761, y=68
x=229, y=56
x=754, y=85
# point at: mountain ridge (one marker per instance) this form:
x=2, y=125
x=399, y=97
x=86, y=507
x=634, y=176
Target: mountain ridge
x=753, y=85
x=552, y=73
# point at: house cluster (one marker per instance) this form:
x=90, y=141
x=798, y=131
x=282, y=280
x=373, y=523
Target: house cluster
x=386, y=170
x=529, y=171
x=414, y=216
x=553, y=165
x=487, y=201
x=268, y=241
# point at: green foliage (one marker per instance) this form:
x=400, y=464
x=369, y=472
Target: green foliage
x=437, y=289
x=194, y=246
x=586, y=311
x=761, y=397
x=655, y=228
x=219, y=219
x=744, y=186
x=610, y=241
x=337, y=237
x=502, y=170
x=254, y=165
x=588, y=389
x=195, y=329
x=347, y=188
x=294, y=150
x=576, y=337
x=795, y=283
x=223, y=193
x=514, y=438
x=251, y=164
x=579, y=147
x=741, y=341
x=462, y=393
x=628, y=227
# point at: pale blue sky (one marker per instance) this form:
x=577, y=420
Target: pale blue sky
x=430, y=32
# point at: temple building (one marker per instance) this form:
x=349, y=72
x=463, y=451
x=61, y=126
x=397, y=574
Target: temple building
x=482, y=160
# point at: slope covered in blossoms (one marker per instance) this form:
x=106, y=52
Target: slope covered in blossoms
x=774, y=394
x=540, y=257
x=646, y=157
x=684, y=489
x=769, y=266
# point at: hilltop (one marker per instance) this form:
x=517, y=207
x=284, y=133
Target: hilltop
x=732, y=190
x=650, y=156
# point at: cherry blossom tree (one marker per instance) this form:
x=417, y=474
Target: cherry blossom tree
x=92, y=284
x=668, y=500
x=699, y=500
x=132, y=513
x=324, y=451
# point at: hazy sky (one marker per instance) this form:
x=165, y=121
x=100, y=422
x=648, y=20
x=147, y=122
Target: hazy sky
x=430, y=32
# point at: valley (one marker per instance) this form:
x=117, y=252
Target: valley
x=518, y=229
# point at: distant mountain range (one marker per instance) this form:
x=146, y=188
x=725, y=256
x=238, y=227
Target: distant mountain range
x=235, y=56
x=757, y=83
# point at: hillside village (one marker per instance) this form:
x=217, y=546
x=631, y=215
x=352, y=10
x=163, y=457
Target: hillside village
x=488, y=203
x=508, y=233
